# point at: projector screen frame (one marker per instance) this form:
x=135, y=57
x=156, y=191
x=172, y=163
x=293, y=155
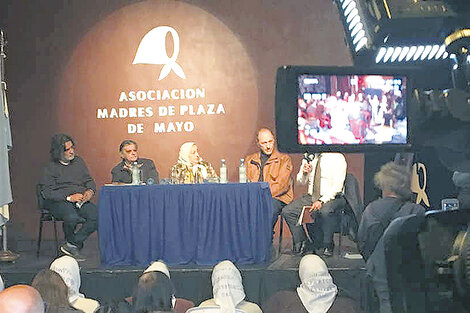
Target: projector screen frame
x=286, y=109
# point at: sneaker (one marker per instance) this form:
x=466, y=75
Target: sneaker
x=328, y=252
x=72, y=251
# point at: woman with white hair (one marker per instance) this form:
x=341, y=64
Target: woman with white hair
x=228, y=290
x=67, y=267
x=190, y=167
x=316, y=293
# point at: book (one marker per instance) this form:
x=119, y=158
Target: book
x=305, y=217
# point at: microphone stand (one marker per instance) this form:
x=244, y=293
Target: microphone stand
x=5, y=254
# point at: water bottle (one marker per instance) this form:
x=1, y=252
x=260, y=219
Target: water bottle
x=135, y=170
x=223, y=172
x=242, y=171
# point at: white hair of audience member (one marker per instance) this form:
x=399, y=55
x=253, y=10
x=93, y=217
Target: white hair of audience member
x=158, y=266
x=317, y=290
x=67, y=267
x=228, y=290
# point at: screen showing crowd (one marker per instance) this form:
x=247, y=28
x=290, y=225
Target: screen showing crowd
x=351, y=109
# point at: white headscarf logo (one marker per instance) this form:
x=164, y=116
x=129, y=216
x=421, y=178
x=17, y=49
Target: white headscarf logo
x=152, y=50
x=67, y=267
x=227, y=286
x=317, y=290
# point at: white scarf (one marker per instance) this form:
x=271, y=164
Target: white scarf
x=197, y=169
x=185, y=150
x=67, y=267
x=227, y=286
x=158, y=266
x=317, y=290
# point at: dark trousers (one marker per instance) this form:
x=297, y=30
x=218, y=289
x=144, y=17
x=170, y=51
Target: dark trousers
x=277, y=209
x=291, y=213
x=72, y=216
x=326, y=222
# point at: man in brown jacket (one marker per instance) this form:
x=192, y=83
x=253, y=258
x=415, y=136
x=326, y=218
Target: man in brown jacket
x=273, y=167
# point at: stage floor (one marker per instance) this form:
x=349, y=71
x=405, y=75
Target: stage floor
x=191, y=281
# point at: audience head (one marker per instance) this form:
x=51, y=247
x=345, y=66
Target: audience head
x=21, y=299
x=394, y=180
x=62, y=148
x=158, y=266
x=154, y=292
x=67, y=267
x=52, y=288
x=317, y=290
x=189, y=154
x=227, y=286
x=128, y=151
x=265, y=141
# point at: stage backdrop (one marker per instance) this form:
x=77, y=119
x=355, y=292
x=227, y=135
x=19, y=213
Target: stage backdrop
x=160, y=72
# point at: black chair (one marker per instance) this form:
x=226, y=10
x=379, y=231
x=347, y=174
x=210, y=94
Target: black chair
x=45, y=216
x=404, y=265
x=351, y=214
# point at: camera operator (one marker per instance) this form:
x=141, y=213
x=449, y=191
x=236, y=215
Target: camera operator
x=395, y=182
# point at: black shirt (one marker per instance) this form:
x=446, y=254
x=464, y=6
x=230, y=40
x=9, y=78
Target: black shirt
x=263, y=158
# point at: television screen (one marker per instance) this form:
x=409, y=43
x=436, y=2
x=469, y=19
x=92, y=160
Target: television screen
x=340, y=109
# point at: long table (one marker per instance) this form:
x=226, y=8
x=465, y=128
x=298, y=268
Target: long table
x=182, y=224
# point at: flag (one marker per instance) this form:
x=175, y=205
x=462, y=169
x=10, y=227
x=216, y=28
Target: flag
x=5, y=146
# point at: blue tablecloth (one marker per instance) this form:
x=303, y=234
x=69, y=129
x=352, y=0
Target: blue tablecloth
x=183, y=224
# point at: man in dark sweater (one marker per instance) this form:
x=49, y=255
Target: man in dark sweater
x=68, y=188
x=121, y=173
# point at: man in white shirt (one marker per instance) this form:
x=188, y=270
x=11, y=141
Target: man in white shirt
x=325, y=175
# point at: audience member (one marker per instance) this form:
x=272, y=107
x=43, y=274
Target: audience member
x=21, y=299
x=316, y=294
x=190, y=167
x=53, y=291
x=228, y=290
x=181, y=305
x=68, y=188
x=121, y=173
x=395, y=182
x=275, y=168
x=154, y=293
x=67, y=267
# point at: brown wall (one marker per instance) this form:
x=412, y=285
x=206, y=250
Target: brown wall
x=68, y=58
